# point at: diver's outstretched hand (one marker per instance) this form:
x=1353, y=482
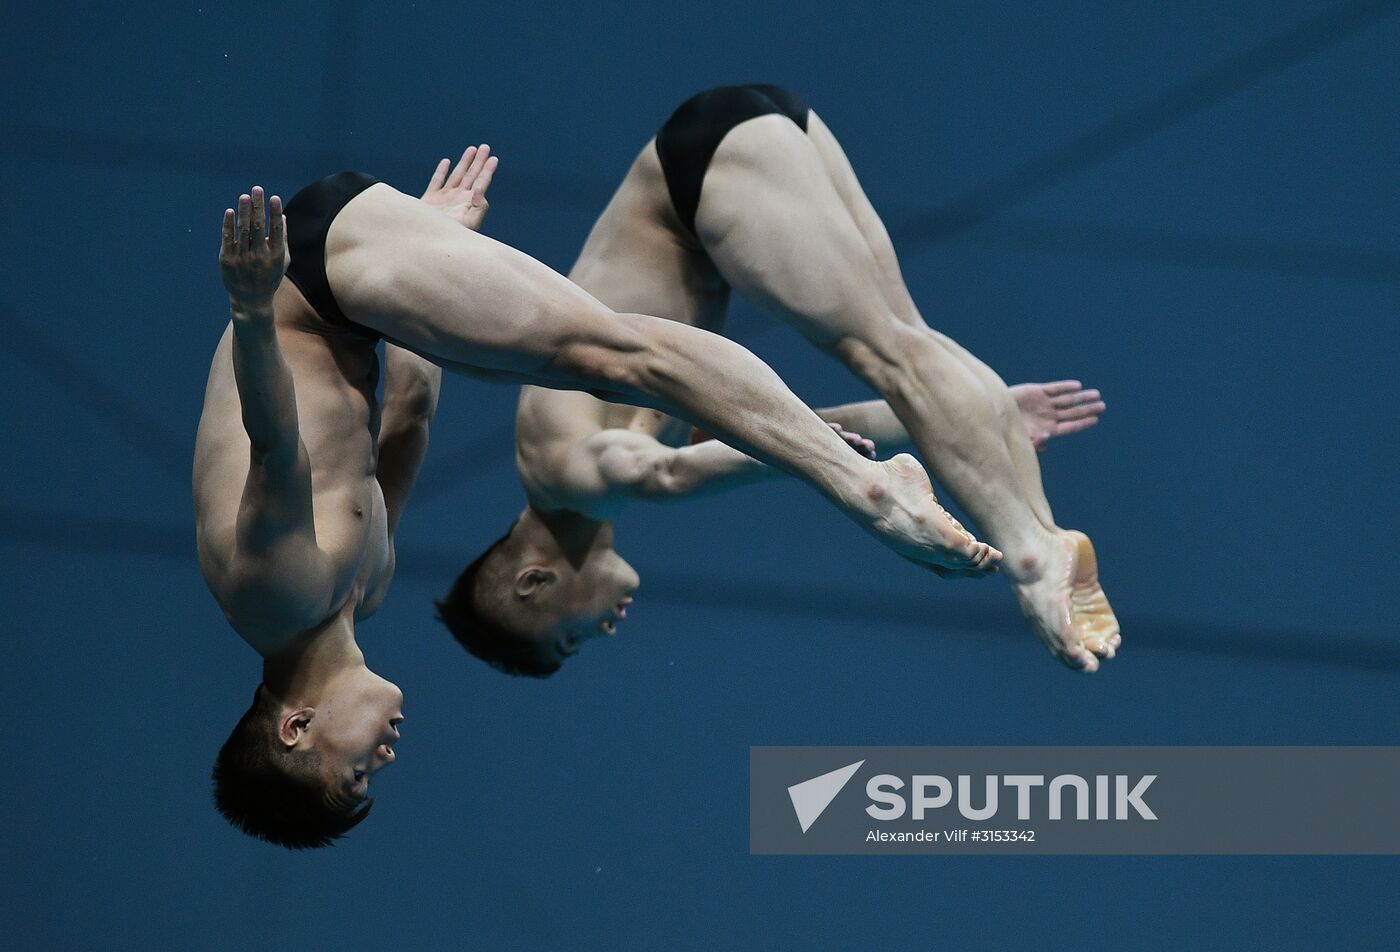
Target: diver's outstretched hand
x=460, y=193
x=1055, y=409
x=250, y=262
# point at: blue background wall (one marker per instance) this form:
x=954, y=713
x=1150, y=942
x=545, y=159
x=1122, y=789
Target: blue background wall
x=1191, y=206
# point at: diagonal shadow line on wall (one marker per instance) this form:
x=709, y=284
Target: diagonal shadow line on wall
x=850, y=604
x=1154, y=246
x=104, y=401
x=44, y=143
x=1128, y=128
x=856, y=606
x=292, y=168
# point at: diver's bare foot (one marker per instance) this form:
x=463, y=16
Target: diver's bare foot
x=907, y=516
x=1060, y=594
x=1055, y=409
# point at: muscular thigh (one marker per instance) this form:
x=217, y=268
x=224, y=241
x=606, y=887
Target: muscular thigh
x=872, y=228
x=778, y=231
x=451, y=294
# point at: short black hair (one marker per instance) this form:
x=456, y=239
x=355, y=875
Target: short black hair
x=484, y=636
x=261, y=790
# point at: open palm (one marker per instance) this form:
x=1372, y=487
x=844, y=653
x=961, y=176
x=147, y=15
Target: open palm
x=1055, y=409
x=460, y=193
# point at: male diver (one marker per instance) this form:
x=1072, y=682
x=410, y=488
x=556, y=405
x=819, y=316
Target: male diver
x=745, y=188
x=300, y=477
x=300, y=480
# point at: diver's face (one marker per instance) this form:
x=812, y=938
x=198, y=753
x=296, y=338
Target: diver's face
x=355, y=732
x=584, y=603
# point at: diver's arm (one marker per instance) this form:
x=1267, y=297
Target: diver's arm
x=622, y=462
x=411, y=388
x=276, y=503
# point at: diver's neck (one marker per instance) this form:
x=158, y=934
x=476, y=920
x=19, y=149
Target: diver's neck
x=572, y=532
x=319, y=656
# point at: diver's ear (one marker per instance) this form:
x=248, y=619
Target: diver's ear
x=533, y=580
x=292, y=729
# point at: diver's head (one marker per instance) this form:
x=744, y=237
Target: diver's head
x=538, y=593
x=296, y=773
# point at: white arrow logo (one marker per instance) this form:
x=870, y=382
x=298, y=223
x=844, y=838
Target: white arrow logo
x=811, y=797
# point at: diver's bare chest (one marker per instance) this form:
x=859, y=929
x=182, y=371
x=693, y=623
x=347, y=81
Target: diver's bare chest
x=353, y=527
